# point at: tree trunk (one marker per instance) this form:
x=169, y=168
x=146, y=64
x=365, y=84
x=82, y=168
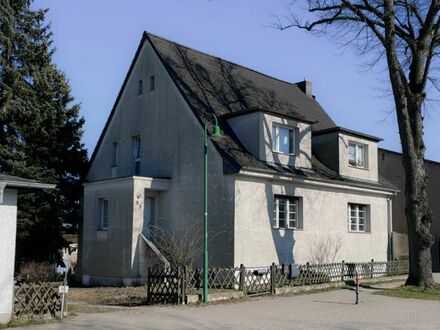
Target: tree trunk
x=418, y=212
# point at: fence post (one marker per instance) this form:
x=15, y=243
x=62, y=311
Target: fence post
x=343, y=271
x=307, y=277
x=272, y=278
x=148, y=285
x=242, y=277
x=179, y=285
x=184, y=284
x=372, y=268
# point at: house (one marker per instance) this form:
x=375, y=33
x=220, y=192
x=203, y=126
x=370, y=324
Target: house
x=284, y=179
x=9, y=187
x=391, y=168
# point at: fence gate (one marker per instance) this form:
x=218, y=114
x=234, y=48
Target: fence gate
x=259, y=280
x=166, y=285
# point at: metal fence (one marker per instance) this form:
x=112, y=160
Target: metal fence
x=37, y=299
x=171, y=285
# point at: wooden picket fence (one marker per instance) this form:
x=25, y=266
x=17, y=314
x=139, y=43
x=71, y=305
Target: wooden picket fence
x=37, y=299
x=172, y=285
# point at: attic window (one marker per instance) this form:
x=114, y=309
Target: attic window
x=140, y=87
x=152, y=83
x=357, y=155
x=283, y=139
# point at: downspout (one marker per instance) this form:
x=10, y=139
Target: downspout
x=390, y=228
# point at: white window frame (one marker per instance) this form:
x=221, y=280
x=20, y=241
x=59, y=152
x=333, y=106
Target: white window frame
x=276, y=139
x=103, y=213
x=354, y=212
x=357, y=151
x=292, y=218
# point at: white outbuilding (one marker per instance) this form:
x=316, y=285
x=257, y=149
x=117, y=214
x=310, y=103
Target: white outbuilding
x=9, y=187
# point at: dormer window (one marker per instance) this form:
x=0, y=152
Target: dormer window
x=357, y=155
x=283, y=139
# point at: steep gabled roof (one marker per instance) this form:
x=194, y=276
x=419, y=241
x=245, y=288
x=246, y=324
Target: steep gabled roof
x=211, y=85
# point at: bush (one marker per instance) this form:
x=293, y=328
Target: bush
x=37, y=272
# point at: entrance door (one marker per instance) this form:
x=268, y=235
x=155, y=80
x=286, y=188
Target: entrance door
x=148, y=215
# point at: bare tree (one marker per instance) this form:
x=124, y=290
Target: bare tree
x=324, y=249
x=405, y=33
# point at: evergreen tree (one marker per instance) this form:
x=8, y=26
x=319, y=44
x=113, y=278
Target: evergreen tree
x=40, y=130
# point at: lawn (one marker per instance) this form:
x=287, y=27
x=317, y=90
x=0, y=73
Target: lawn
x=113, y=296
x=411, y=292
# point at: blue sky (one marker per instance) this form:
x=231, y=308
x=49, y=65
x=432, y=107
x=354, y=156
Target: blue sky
x=96, y=41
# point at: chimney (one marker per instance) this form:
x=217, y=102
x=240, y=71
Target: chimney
x=306, y=87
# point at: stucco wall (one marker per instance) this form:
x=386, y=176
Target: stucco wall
x=326, y=149
x=8, y=227
x=108, y=253
x=369, y=173
x=248, y=129
x=303, y=147
x=324, y=215
x=171, y=147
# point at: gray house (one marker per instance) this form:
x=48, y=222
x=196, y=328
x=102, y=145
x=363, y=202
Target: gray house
x=284, y=179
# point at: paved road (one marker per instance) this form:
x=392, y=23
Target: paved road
x=327, y=310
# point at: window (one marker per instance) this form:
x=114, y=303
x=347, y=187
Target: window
x=115, y=154
x=136, y=154
x=286, y=212
x=152, y=83
x=140, y=87
x=357, y=154
x=283, y=139
x=103, y=214
x=358, y=218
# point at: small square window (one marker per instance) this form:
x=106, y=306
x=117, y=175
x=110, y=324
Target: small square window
x=140, y=87
x=286, y=212
x=283, y=139
x=357, y=155
x=152, y=83
x=358, y=220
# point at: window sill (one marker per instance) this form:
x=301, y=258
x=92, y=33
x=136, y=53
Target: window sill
x=101, y=234
x=295, y=229
x=359, y=232
x=358, y=167
x=285, y=154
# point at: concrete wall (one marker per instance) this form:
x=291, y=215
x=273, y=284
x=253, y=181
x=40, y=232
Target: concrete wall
x=8, y=228
x=171, y=147
x=324, y=215
x=302, y=158
x=369, y=173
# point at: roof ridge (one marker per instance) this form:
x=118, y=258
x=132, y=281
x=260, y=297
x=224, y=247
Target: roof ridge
x=222, y=59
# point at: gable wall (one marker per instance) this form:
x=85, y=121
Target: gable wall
x=171, y=147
